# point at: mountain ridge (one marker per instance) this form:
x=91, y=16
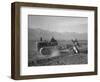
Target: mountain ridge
x=35, y=34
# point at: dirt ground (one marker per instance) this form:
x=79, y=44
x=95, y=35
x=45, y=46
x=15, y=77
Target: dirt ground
x=64, y=58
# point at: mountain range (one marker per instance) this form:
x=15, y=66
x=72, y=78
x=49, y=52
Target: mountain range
x=35, y=34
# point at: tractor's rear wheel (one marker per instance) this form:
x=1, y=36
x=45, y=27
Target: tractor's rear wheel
x=45, y=51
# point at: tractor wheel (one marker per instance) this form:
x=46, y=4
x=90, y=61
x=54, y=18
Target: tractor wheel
x=45, y=51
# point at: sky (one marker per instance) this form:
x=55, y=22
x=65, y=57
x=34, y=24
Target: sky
x=58, y=23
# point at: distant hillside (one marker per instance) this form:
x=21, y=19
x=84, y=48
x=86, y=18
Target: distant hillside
x=35, y=34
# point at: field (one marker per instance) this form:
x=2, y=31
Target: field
x=57, y=57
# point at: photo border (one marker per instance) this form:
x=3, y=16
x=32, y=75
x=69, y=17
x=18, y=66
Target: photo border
x=15, y=39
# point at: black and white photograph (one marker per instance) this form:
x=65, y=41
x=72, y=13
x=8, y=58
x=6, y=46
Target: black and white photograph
x=53, y=40
x=57, y=40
